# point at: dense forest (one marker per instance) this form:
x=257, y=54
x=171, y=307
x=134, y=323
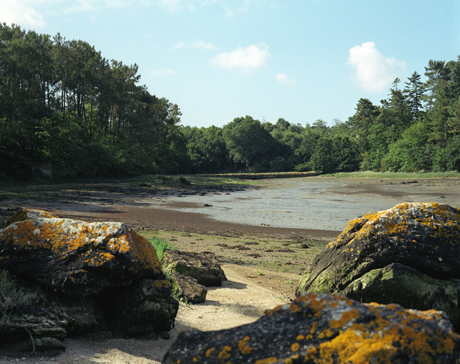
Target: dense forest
x=64, y=107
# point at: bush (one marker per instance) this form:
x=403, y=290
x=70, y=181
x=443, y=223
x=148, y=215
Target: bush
x=160, y=245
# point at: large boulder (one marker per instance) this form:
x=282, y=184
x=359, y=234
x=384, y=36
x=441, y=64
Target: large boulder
x=191, y=272
x=85, y=278
x=326, y=329
x=406, y=255
x=75, y=257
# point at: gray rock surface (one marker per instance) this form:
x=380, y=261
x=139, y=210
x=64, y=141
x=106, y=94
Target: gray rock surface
x=202, y=266
x=326, y=329
x=191, y=273
x=62, y=278
x=406, y=255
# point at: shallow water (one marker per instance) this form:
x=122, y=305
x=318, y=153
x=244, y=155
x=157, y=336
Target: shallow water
x=292, y=203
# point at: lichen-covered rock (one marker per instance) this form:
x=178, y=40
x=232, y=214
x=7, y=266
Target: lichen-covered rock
x=406, y=255
x=75, y=257
x=61, y=278
x=326, y=329
x=201, y=266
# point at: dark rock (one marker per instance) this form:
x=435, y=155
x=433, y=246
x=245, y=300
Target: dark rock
x=75, y=257
x=406, y=255
x=184, y=181
x=411, y=287
x=187, y=288
x=326, y=329
x=201, y=266
x=27, y=311
x=69, y=278
x=141, y=309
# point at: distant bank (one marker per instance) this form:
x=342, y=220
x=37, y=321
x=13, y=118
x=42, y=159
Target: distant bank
x=263, y=175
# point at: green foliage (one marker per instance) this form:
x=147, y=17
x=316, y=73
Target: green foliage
x=411, y=152
x=160, y=245
x=250, y=145
x=63, y=105
x=10, y=297
x=336, y=154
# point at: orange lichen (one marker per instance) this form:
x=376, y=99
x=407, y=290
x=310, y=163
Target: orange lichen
x=359, y=342
x=224, y=354
x=346, y=317
x=209, y=352
x=395, y=222
x=101, y=242
x=295, y=347
x=243, y=346
x=267, y=360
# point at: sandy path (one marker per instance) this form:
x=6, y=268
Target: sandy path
x=239, y=301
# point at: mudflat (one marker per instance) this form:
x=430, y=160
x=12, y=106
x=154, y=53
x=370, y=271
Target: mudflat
x=263, y=263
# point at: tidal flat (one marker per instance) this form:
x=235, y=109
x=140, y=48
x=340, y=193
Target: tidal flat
x=320, y=203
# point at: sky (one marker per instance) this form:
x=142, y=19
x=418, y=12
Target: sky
x=301, y=60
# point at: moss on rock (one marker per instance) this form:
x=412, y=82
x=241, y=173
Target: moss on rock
x=420, y=236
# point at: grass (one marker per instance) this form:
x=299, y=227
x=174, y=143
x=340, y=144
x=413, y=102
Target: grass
x=160, y=245
x=370, y=174
x=26, y=189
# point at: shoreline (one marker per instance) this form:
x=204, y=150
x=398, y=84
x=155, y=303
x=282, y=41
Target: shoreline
x=198, y=223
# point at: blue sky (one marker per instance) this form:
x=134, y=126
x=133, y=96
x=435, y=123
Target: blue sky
x=301, y=60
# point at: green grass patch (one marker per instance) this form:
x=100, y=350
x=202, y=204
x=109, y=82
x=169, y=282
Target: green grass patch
x=370, y=174
x=160, y=245
x=143, y=181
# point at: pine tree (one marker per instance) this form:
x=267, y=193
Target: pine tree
x=414, y=92
x=438, y=117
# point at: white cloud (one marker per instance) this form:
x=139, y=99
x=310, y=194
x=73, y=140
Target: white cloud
x=374, y=72
x=20, y=12
x=248, y=58
x=177, y=46
x=283, y=78
x=33, y=13
x=162, y=72
x=200, y=44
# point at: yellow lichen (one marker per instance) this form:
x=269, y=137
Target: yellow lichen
x=36, y=229
x=224, y=354
x=243, y=346
x=272, y=359
x=295, y=347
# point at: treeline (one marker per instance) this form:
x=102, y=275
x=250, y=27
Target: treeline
x=63, y=106
x=416, y=128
